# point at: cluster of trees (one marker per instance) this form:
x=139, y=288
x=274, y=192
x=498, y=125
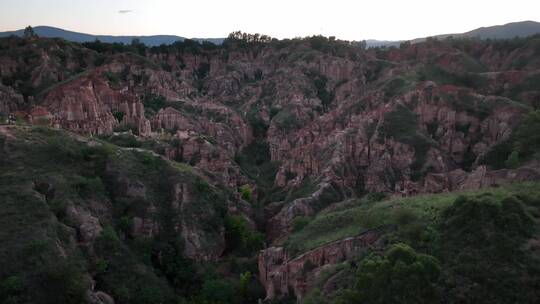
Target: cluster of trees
x=521, y=147
x=29, y=32
x=185, y=46
x=115, y=48
x=477, y=255
x=401, y=275
x=249, y=38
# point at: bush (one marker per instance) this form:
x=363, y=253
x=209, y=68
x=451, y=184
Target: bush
x=218, y=291
x=513, y=160
x=481, y=246
x=394, y=87
x=119, y=115
x=113, y=78
x=88, y=186
x=402, y=125
x=400, y=276
x=300, y=222
x=240, y=238
x=527, y=135
x=246, y=193
x=61, y=281
x=154, y=103
x=125, y=140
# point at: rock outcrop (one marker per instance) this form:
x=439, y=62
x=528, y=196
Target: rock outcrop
x=10, y=100
x=282, y=275
x=88, y=105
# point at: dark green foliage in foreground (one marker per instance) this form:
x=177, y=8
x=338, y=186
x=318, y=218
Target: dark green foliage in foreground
x=522, y=146
x=240, y=239
x=527, y=136
x=402, y=125
x=46, y=172
x=477, y=254
x=482, y=250
x=399, y=276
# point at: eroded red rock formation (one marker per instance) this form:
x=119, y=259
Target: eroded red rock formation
x=282, y=275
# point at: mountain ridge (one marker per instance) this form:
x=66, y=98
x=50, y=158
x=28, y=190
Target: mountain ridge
x=504, y=31
x=150, y=40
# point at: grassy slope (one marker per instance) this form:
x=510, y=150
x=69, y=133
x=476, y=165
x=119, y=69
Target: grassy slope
x=360, y=215
x=38, y=244
x=482, y=241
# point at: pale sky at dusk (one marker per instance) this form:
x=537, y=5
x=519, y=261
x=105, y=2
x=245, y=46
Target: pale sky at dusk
x=351, y=20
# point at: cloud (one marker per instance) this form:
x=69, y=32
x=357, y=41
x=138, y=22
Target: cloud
x=125, y=11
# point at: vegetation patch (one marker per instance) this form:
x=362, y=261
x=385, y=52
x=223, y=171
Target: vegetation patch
x=402, y=125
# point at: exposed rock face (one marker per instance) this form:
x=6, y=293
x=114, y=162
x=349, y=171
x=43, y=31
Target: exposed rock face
x=10, y=101
x=88, y=226
x=176, y=209
x=282, y=275
x=88, y=104
x=325, y=148
x=280, y=224
x=99, y=297
x=482, y=177
x=324, y=112
x=209, y=143
x=198, y=243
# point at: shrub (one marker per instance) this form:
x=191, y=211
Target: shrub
x=88, y=186
x=527, y=135
x=394, y=87
x=246, y=193
x=154, y=103
x=240, y=238
x=218, y=291
x=513, y=160
x=481, y=245
x=286, y=119
x=113, y=78
x=300, y=222
x=400, y=276
x=61, y=282
x=119, y=115
x=125, y=140
x=402, y=125
x=11, y=289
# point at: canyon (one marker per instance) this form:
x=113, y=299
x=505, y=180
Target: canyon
x=183, y=140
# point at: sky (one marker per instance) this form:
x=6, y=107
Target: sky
x=350, y=20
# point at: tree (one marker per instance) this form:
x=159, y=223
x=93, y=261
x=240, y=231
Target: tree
x=139, y=47
x=246, y=193
x=400, y=276
x=528, y=134
x=29, y=32
x=218, y=291
x=245, y=278
x=240, y=238
x=513, y=160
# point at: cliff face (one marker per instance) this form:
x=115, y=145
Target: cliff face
x=411, y=120
x=86, y=105
x=10, y=100
x=282, y=275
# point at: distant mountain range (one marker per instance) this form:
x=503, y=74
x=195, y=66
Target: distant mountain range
x=54, y=32
x=506, y=31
